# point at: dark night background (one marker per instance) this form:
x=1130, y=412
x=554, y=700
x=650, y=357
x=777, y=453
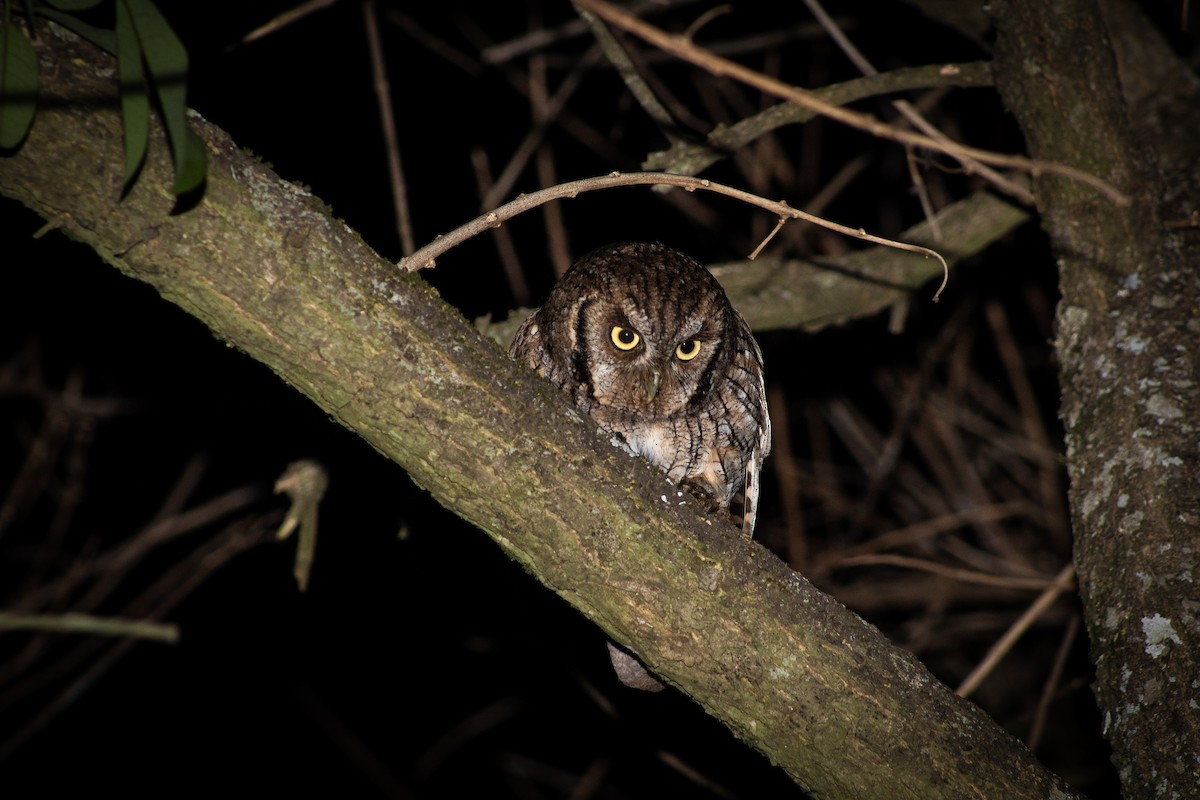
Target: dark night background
x=421, y=661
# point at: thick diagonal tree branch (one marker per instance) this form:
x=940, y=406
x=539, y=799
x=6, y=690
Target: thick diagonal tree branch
x=267, y=268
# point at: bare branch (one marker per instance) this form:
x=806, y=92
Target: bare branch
x=427, y=256
x=685, y=49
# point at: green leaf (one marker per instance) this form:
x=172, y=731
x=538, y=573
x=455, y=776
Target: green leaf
x=189, y=174
x=18, y=84
x=135, y=102
x=167, y=62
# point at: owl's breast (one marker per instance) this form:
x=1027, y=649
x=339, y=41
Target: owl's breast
x=675, y=445
x=659, y=443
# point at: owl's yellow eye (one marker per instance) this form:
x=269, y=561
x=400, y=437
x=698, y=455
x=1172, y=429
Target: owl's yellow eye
x=688, y=350
x=624, y=338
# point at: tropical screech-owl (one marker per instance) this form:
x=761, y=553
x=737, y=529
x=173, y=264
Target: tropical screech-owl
x=644, y=341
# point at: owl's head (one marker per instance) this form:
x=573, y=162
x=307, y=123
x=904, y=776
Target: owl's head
x=648, y=329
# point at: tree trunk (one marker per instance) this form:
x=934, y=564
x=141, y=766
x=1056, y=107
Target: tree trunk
x=1093, y=86
x=264, y=265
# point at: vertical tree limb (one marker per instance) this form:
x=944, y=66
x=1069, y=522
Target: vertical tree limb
x=1129, y=343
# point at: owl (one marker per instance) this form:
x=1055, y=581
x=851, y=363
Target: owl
x=645, y=342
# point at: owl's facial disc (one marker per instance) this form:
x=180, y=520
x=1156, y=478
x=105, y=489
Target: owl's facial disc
x=645, y=362
x=643, y=380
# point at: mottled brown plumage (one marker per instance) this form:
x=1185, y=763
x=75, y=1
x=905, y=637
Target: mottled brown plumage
x=644, y=341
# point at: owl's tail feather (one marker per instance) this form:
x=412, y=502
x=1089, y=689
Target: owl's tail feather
x=631, y=672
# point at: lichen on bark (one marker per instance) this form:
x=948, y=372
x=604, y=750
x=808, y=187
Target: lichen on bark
x=1127, y=345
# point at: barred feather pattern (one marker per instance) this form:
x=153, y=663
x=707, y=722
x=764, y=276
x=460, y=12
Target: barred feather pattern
x=643, y=340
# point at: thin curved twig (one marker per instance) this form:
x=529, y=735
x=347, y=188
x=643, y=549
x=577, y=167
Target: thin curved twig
x=427, y=256
x=89, y=624
x=387, y=121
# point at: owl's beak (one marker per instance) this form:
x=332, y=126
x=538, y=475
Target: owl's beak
x=651, y=379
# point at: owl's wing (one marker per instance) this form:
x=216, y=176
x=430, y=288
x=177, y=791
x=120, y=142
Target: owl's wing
x=762, y=447
x=526, y=346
